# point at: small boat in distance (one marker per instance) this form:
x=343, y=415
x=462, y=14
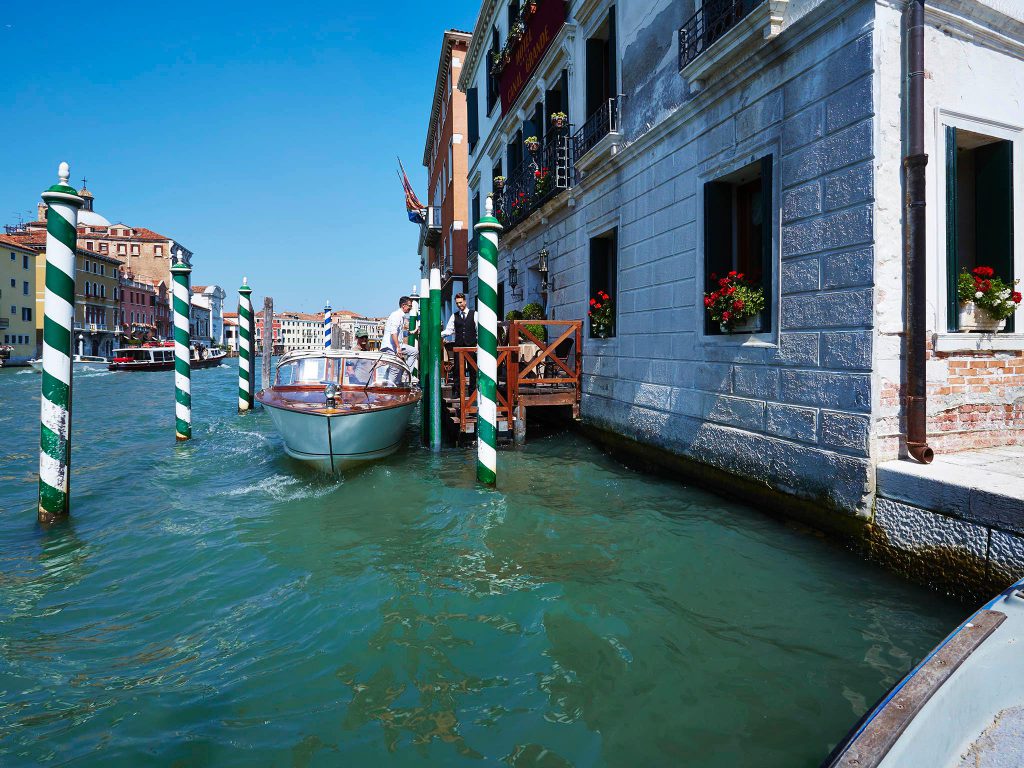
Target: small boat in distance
x=963, y=705
x=337, y=409
x=160, y=357
x=81, y=362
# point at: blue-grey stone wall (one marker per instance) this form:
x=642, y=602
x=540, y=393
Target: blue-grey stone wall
x=792, y=408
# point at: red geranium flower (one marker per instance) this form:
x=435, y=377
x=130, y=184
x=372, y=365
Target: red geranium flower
x=1015, y=297
x=726, y=316
x=597, y=306
x=738, y=304
x=592, y=302
x=984, y=271
x=708, y=301
x=985, y=286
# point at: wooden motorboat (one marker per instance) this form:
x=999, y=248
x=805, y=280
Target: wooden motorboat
x=160, y=357
x=963, y=705
x=81, y=362
x=337, y=409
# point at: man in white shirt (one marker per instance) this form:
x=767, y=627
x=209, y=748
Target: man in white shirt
x=394, y=334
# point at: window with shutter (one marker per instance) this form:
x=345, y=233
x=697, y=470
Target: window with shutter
x=979, y=211
x=738, y=216
x=472, y=118
x=604, y=270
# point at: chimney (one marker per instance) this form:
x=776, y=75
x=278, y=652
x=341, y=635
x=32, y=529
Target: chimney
x=40, y=211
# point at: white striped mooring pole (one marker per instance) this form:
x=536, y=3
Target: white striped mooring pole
x=58, y=347
x=327, y=325
x=432, y=328
x=424, y=353
x=180, y=275
x=245, y=335
x=487, y=348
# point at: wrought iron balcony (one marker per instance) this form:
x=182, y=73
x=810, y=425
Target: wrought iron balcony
x=711, y=21
x=604, y=121
x=544, y=175
x=430, y=231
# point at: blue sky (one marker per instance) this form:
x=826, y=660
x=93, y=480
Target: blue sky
x=261, y=135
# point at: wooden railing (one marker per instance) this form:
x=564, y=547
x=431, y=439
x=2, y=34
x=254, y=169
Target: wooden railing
x=530, y=371
x=547, y=366
x=465, y=359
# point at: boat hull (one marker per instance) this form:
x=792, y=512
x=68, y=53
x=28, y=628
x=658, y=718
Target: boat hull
x=165, y=365
x=336, y=442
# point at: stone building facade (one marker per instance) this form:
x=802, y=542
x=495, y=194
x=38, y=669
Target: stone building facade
x=17, y=302
x=770, y=141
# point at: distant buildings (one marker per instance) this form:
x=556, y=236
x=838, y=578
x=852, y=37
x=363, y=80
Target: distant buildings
x=17, y=302
x=294, y=331
x=211, y=297
x=122, y=284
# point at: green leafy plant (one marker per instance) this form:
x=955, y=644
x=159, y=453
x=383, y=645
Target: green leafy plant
x=734, y=301
x=559, y=118
x=541, y=182
x=988, y=292
x=602, y=315
x=534, y=311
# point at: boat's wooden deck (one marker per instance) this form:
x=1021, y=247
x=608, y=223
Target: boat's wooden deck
x=310, y=399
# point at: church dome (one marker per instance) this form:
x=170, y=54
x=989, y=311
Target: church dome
x=91, y=219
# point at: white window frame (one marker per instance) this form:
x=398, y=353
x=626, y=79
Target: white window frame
x=944, y=340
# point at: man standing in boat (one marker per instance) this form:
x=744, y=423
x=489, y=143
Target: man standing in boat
x=395, y=330
x=461, y=329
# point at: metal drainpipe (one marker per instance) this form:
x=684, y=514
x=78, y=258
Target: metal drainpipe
x=915, y=254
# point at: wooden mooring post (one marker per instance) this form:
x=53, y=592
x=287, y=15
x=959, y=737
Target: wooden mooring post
x=268, y=333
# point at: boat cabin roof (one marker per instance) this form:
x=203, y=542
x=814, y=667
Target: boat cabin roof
x=348, y=369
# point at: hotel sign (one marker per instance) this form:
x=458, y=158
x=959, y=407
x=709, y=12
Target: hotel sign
x=541, y=29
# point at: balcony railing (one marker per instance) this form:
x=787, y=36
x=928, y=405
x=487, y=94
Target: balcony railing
x=711, y=21
x=544, y=175
x=430, y=230
x=604, y=121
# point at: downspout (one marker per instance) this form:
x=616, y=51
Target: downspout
x=915, y=255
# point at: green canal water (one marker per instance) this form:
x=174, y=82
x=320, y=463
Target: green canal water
x=216, y=604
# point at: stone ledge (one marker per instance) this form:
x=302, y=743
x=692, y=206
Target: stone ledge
x=956, y=490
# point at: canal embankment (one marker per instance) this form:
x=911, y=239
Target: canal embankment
x=956, y=525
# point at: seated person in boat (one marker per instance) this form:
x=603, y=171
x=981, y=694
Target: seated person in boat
x=359, y=371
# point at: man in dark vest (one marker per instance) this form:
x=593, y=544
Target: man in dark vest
x=461, y=329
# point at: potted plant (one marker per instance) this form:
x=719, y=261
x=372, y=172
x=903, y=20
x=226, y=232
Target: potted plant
x=602, y=316
x=985, y=300
x=541, y=182
x=532, y=143
x=559, y=119
x=736, y=304
x=499, y=183
x=516, y=31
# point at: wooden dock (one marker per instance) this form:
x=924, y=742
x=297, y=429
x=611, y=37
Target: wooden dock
x=532, y=373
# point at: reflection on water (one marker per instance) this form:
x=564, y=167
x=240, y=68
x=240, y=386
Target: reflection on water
x=215, y=603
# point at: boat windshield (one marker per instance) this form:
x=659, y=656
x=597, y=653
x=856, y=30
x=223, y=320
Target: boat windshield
x=370, y=371
x=135, y=354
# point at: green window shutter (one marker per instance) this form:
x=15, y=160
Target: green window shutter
x=952, y=213
x=767, y=251
x=472, y=118
x=993, y=197
x=717, y=237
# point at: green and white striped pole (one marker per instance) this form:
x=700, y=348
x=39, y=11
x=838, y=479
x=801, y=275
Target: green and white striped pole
x=180, y=276
x=414, y=338
x=245, y=347
x=63, y=203
x=424, y=368
x=487, y=348
x=432, y=330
